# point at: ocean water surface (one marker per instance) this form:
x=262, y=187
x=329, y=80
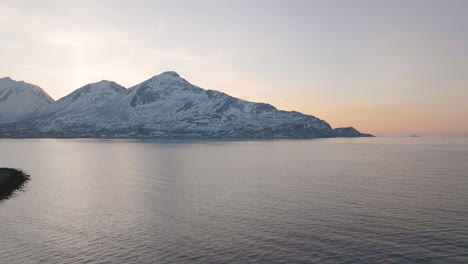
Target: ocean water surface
x=389, y=199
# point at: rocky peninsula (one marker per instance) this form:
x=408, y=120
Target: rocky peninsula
x=10, y=181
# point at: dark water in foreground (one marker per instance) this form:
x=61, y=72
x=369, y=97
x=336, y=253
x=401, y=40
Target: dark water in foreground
x=364, y=200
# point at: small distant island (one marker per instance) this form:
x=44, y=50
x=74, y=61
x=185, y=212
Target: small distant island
x=10, y=181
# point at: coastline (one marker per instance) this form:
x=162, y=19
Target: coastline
x=11, y=180
x=175, y=137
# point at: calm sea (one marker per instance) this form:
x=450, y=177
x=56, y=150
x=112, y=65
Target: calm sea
x=390, y=199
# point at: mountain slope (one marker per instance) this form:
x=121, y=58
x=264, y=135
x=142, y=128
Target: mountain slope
x=83, y=101
x=19, y=100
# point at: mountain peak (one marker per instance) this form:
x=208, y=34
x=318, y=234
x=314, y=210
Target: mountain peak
x=6, y=81
x=84, y=100
x=18, y=99
x=104, y=81
x=10, y=80
x=171, y=73
x=167, y=75
x=98, y=88
x=101, y=86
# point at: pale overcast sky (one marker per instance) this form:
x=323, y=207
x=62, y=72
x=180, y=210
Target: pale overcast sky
x=380, y=66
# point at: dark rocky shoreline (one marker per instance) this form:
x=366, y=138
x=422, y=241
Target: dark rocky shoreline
x=10, y=181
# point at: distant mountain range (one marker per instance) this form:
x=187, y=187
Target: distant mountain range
x=165, y=106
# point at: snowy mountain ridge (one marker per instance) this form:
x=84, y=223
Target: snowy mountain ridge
x=165, y=105
x=83, y=100
x=19, y=99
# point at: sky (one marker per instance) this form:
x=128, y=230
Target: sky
x=395, y=66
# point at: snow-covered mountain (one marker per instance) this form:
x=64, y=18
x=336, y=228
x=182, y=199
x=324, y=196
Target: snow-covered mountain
x=19, y=100
x=83, y=101
x=166, y=105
